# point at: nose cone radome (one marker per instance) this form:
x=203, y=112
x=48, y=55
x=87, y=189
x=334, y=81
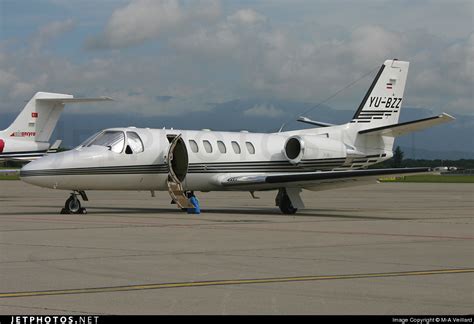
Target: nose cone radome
x=52, y=170
x=38, y=172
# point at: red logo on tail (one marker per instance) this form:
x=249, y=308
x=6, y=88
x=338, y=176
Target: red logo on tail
x=2, y=145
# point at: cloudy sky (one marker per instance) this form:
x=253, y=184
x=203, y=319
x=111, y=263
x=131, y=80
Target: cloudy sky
x=170, y=57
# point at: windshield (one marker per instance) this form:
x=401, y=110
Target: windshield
x=114, y=140
x=88, y=140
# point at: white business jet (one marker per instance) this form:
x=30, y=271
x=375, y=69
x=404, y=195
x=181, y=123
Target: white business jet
x=27, y=138
x=184, y=161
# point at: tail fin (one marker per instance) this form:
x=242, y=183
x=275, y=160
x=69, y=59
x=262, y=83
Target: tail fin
x=382, y=102
x=37, y=120
x=376, y=120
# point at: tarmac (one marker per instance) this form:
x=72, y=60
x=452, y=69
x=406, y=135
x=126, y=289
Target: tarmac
x=388, y=248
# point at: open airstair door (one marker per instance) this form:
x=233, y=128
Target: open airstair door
x=177, y=160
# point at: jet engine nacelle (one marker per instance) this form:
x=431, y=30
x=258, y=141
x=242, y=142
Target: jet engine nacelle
x=311, y=147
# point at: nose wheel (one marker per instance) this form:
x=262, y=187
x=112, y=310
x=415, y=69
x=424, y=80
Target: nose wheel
x=73, y=204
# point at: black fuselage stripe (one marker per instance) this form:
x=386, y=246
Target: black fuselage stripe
x=271, y=162
x=213, y=167
x=165, y=171
x=58, y=173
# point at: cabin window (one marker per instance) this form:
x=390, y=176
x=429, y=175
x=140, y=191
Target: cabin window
x=114, y=140
x=135, y=142
x=221, y=146
x=236, y=147
x=194, y=146
x=207, y=146
x=250, y=147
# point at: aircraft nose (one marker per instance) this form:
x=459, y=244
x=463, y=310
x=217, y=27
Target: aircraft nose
x=43, y=163
x=40, y=172
x=57, y=170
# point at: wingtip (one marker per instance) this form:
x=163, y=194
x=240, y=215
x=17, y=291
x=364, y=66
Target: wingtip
x=447, y=116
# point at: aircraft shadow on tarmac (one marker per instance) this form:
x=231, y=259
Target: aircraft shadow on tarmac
x=315, y=213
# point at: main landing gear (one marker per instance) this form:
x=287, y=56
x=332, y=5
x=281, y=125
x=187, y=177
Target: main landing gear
x=73, y=204
x=283, y=201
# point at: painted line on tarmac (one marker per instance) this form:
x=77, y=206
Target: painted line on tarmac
x=231, y=282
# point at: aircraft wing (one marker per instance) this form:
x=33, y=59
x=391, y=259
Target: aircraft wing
x=321, y=180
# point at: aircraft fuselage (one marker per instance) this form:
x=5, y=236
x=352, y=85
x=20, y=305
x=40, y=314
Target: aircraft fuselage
x=210, y=156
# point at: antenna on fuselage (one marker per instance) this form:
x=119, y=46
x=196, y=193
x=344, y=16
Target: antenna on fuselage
x=330, y=97
x=281, y=128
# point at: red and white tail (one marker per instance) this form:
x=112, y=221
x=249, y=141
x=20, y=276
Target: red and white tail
x=36, y=122
x=28, y=136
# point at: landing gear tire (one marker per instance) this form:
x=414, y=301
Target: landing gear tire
x=73, y=206
x=285, y=205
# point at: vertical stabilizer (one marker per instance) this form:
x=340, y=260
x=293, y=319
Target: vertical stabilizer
x=38, y=119
x=382, y=102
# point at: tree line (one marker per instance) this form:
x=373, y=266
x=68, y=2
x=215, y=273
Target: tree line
x=397, y=161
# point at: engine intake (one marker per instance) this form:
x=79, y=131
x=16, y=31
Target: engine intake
x=294, y=149
x=298, y=147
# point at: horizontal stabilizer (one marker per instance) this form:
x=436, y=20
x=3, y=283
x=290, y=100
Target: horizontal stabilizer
x=73, y=100
x=408, y=127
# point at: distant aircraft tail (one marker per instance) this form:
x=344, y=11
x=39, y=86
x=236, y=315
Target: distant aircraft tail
x=37, y=120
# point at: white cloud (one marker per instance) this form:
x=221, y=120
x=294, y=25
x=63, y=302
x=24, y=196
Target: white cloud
x=371, y=44
x=264, y=110
x=210, y=52
x=143, y=20
x=246, y=17
x=7, y=78
x=51, y=31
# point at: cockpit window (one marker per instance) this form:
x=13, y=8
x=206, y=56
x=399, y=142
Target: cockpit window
x=135, y=142
x=88, y=140
x=114, y=140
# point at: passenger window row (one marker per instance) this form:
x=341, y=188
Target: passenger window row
x=221, y=147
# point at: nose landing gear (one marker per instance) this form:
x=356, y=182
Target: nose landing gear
x=73, y=204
